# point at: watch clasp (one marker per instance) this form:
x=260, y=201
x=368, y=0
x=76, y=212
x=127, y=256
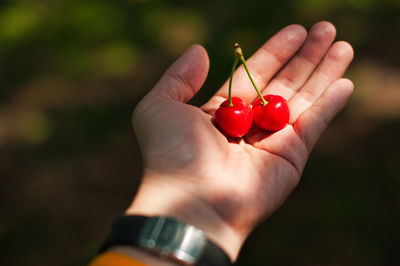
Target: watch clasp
x=171, y=238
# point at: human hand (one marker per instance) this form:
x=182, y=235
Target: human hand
x=227, y=186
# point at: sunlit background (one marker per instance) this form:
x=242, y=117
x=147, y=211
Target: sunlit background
x=72, y=71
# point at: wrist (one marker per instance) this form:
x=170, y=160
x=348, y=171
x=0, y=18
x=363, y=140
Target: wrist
x=165, y=199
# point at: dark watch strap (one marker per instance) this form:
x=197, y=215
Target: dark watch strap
x=160, y=235
x=124, y=231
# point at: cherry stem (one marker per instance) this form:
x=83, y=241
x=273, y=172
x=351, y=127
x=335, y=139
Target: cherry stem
x=235, y=61
x=239, y=54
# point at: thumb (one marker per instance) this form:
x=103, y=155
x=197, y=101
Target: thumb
x=183, y=78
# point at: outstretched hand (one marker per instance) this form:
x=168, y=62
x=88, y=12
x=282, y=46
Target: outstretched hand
x=227, y=186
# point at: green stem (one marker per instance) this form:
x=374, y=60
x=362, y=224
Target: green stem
x=239, y=54
x=235, y=61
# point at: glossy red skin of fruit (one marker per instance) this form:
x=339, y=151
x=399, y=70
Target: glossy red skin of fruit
x=274, y=115
x=234, y=121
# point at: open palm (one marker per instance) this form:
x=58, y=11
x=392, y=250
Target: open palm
x=243, y=180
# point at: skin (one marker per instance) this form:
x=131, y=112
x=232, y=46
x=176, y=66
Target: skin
x=225, y=187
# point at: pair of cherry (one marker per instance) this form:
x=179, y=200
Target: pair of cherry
x=234, y=117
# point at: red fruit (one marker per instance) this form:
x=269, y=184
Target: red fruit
x=234, y=121
x=274, y=115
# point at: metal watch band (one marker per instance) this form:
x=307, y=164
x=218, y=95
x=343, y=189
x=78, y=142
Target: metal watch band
x=167, y=237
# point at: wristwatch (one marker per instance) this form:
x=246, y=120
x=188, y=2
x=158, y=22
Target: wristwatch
x=166, y=237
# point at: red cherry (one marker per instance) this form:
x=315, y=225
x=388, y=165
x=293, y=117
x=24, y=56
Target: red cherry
x=274, y=115
x=234, y=121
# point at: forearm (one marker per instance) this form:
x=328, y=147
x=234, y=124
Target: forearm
x=171, y=199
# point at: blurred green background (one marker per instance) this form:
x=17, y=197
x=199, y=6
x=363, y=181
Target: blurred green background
x=72, y=71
